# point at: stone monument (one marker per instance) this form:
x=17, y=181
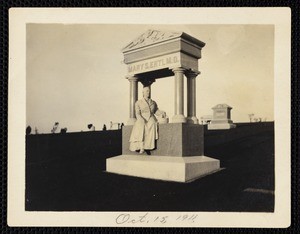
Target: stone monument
x=178, y=154
x=221, y=118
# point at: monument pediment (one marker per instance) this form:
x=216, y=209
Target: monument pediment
x=151, y=37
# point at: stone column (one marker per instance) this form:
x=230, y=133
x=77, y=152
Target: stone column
x=179, y=96
x=133, y=98
x=191, y=97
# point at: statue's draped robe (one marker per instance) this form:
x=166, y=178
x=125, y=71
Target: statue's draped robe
x=143, y=133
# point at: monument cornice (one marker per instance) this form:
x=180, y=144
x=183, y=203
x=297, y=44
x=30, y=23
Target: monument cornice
x=159, y=55
x=150, y=56
x=161, y=43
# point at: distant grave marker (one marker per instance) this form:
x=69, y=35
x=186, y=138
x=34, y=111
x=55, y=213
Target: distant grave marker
x=221, y=118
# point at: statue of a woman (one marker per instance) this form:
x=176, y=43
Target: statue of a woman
x=144, y=131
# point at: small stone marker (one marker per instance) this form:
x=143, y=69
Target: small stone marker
x=221, y=118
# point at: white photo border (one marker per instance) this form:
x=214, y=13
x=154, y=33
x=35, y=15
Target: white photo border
x=19, y=17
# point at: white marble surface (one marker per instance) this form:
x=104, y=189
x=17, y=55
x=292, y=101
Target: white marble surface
x=178, y=169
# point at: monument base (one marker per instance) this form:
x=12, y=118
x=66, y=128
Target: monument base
x=220, y=126
x=174, y=139
x=178, y=169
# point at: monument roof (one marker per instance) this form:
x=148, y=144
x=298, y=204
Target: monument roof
x=151, y=37
x=222, y=106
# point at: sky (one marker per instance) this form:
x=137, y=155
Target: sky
x=75, y=74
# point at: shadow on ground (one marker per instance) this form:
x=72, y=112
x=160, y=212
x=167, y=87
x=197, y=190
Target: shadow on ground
x=66, y=172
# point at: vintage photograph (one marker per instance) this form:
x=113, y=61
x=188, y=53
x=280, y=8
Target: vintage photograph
x=139, y=117
x=171, y=104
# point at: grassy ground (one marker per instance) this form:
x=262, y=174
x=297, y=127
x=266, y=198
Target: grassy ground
x=64, y=173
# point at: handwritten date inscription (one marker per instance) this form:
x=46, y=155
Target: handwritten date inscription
x=126, y=218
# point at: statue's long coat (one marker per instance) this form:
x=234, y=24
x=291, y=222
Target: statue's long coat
x=144, y=134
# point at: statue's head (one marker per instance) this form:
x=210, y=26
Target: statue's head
x=146, y=92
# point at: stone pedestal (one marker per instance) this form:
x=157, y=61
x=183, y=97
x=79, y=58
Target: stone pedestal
x=177, y=157
x=174, y=139
x=178, y=169
x=221, y=118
